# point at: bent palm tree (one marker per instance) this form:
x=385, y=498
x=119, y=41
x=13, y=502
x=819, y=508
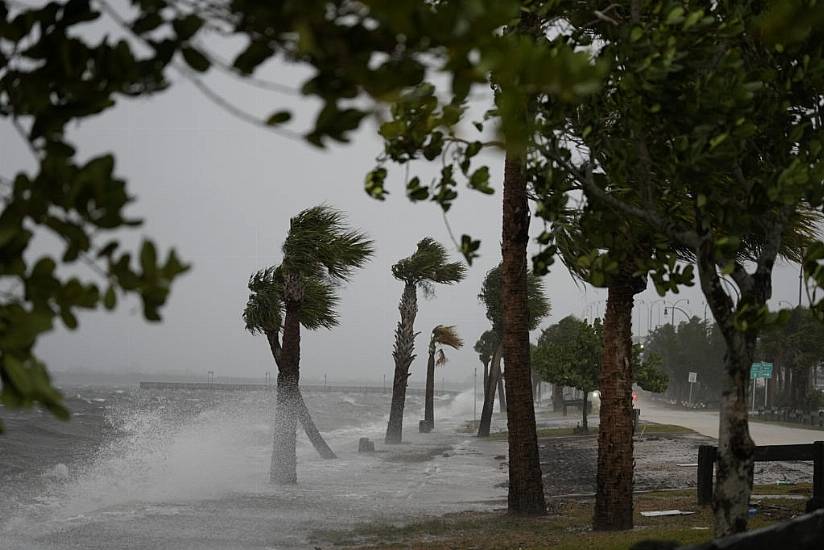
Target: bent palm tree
x=442, y=335
x=428, y=266
x=537, y=308
x=319, y=253
x=485, y=348
x=263, y=314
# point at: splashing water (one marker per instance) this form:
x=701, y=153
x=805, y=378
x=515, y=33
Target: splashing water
x=193, y=467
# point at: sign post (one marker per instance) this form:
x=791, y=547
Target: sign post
x=692, y=378
x=763, y=371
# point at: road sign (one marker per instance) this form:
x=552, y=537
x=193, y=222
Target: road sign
x=693, y=377
x=761, y=370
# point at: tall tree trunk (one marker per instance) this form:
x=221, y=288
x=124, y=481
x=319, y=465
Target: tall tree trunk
x=735, y=446
x=501, y=392
x=613, y=497
x=404, y=346
x=489, y=393
x=486, y=377
x=526, y=488
x=584, y=400
x=557, y=397
x=429, y=399
x=734, y=471
x=304, y=416
x=284, y=457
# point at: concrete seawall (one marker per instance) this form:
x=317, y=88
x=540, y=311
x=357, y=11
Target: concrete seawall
x=309, y=388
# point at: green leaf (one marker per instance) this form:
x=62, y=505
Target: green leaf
x=195, y=59
x=469, y=248
x=147, y=22
x=675, y=16
x=279, y=117
x=17, y=375
x=479, y=180
x=374, y=184
x=110, y=299
x=148, y=258
x=187, y=26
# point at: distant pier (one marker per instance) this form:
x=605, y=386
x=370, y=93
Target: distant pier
x=308, y=388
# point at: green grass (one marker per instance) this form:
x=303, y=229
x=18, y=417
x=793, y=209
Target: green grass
x=566, y=527
x=787, y=424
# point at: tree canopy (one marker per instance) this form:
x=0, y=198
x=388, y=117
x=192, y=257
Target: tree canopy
x=490, y=296
x=570, y=352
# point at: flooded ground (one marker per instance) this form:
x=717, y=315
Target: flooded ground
x=189, y=470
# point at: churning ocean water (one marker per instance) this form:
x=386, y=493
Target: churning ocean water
x=189, y=469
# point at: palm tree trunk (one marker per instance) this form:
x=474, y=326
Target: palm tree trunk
x=526, y=488
x=489, y=393
x=613, y=497
x=311, y=430
x=501, y=393
x=584, y=423
x=404, y=346
x=284, y=457
x=304, y=416
x=429, y=400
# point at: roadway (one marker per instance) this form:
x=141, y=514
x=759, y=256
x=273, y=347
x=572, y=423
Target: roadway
x=706, y=423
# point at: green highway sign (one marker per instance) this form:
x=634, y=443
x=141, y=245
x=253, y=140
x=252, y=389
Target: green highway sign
x=761, y=370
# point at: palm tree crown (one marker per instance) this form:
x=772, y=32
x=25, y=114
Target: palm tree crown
x=446, y=335
x=428, y=265
x=320, y=244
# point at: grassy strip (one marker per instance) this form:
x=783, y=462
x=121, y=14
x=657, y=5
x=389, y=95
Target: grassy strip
x=787, y=424
x=566, y=527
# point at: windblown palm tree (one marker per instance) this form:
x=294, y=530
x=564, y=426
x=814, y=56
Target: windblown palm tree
x=263, y=314
x=485, y=348
x=442, y=335
x=319, y=253
x=424, y=269
x=537, y=308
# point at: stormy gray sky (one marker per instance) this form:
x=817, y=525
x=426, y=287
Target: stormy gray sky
x=222, y=191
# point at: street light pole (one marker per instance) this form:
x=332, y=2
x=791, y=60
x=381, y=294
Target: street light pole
x=673, y=307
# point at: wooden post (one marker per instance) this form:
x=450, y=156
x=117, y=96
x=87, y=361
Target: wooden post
x=817, y=501
x=706, y=465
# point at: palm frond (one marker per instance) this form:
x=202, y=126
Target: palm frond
x=801, y=230
x=440, y=358
x=264, y=308
x=429, y=264
x=319, y=306
x=320, y=243
x=446, y=335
